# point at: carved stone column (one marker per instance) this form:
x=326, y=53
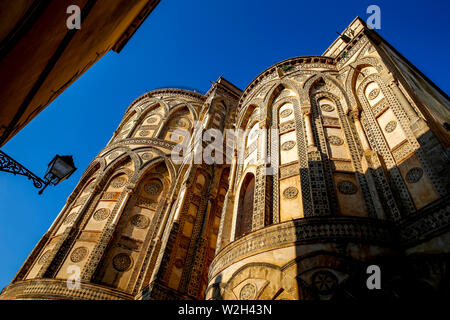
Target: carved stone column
x=406, y=106
x=64, y=243
x=106, y=236
x=259, y=200
x=359, y=129
x=228, y=204
x=308, y=127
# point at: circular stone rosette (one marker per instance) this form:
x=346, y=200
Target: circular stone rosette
x=122, y=262
x=285, y=113
x=45, y=256
x=151, y=120
x=140, y=221
x=70, y=218
x=347, y=187
x=248, y=292
x=327, y=107
x=147, y=156
x=153, y=188
x=374, y=93
x=119, y=182
x=414, y=175
x=290, y=192
x=288, y=145
x=390, y=126
x=78, y=254
x=101, y=214
x=324, y=281
x=335, y=140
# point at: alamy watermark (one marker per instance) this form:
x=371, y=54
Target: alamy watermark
x=374, y=20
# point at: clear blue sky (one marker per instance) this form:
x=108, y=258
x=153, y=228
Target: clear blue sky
x=186, y=44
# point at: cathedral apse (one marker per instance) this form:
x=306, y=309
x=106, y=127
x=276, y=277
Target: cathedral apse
x=342, y=165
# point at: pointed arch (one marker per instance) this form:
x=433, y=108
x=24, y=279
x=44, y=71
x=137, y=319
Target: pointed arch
x=244, y=213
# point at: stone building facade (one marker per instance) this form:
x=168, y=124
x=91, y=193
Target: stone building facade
x=356, y=175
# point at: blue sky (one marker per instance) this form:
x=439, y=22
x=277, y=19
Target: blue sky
x=186, y=44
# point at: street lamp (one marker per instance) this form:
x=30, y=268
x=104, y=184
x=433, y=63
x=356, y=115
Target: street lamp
x=59, y=169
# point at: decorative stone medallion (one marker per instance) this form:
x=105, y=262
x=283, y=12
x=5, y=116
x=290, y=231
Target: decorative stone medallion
x=180, y=122
x=153, y=188
x=324, y=282
x=290, y=192
x=45, y=257
x=151, y=120
x=91, y=186
x=70, y=218
x=144, y=133
x=113, y=155
x=248, y=292
x=335, y=140
x=327, y=107
x=390, y=126
x=414, y=175
x=101, y=214
x=119, y=182
x=374, y=93
x=179, y=263
x=288, y=145
x=140, y=221
x=147, y=156
x=347, y=187
x=78, y=254
x=190, y=219
x=285, y=113
x=122, y=262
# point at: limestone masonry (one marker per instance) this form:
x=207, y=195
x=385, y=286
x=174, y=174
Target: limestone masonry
x=360, y=178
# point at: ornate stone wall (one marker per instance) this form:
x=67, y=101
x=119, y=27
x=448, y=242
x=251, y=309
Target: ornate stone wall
x=353, y=170
x=338, y=166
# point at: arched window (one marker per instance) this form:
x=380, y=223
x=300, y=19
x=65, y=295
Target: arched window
x=245, y=206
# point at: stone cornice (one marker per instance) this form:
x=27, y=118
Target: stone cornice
x=288, y=63
x=303, y=231
x=160, y=91
x=57, y=289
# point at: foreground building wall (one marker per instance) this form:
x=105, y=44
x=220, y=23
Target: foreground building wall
x=358, y=159
x=40, y=57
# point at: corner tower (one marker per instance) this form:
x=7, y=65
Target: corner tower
x=138, y=225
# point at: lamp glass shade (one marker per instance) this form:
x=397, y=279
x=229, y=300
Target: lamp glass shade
x=60, y=168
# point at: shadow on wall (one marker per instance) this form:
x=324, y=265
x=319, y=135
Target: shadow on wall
x=414, y=261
